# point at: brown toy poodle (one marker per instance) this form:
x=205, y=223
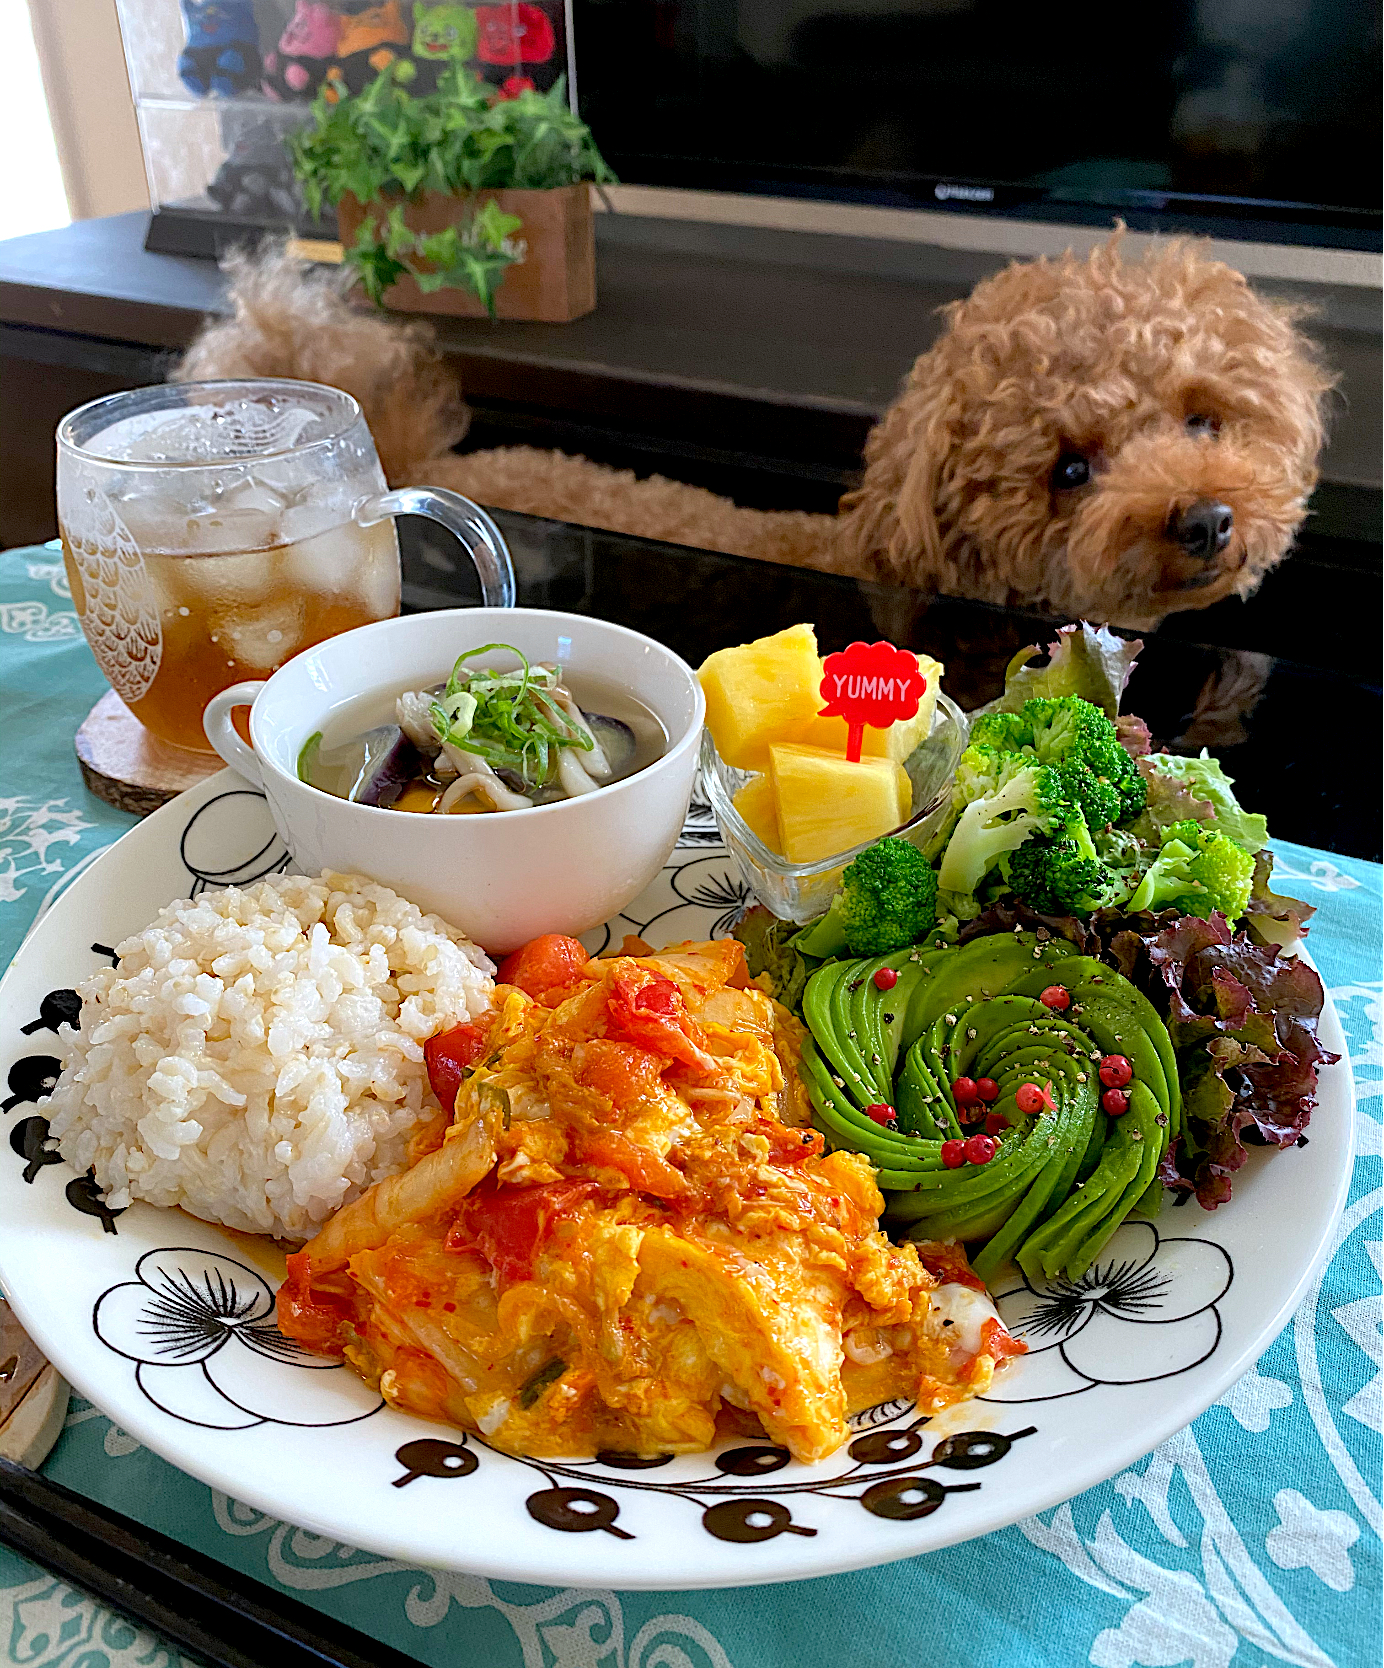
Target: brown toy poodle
x=1096, y=438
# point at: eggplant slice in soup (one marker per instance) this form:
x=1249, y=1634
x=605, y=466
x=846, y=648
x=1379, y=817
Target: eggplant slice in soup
x=489, y=740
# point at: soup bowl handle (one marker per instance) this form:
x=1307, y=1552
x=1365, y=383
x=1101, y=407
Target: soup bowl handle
x=222, y=733
x=479, y=536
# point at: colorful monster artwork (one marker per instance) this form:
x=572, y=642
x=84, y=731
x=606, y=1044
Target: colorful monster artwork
x=369, y=42
x=443, y=34
x=515, y=34
x=444, y=31
x=299, y=64
x=222, y=52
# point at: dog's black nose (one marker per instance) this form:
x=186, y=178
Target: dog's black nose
x=1203, y=528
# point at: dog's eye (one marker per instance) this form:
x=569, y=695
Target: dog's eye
x=1198, y=424
x=1072, y=471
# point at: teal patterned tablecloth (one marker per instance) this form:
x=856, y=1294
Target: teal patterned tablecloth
x=1251, y=1538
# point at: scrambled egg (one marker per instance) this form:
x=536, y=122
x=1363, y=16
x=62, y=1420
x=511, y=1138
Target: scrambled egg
x=627, y=1239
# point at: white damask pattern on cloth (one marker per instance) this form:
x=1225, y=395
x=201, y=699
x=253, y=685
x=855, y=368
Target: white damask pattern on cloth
x=51, y=1625
x=36, y=836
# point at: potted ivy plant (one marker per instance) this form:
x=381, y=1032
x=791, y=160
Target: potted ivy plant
x=458, y=201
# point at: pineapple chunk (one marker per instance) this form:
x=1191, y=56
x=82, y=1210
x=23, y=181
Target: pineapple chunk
x=755, y=803
x=826, y=804
x=898, y=741
x=761, y=692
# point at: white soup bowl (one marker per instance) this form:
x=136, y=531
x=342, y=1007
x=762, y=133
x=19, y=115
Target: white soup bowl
x=504, y=877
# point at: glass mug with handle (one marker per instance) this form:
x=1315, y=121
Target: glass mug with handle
x=212, y=530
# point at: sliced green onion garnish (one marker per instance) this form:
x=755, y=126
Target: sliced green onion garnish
x=508, y=719
x=307, y=758
x=534, y=1386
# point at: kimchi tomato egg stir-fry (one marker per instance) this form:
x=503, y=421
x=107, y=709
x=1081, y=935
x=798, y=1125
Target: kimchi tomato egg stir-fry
x=627, y=1237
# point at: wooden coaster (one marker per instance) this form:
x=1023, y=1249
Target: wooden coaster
x=33, y=1398
x=129, y=768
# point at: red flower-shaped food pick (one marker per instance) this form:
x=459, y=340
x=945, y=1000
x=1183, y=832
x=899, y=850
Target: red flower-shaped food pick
x=870, y=683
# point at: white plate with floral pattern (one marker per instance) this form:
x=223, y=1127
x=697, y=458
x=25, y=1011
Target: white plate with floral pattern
x=167, y=1324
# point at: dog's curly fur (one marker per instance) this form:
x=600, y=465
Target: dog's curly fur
x=1100, y=357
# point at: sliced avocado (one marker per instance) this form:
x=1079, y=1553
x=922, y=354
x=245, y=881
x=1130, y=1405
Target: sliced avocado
x=1061, y=1182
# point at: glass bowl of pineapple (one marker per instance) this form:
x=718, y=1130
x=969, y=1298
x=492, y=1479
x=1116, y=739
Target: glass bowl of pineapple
x=833, y=809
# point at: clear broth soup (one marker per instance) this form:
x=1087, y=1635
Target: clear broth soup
x=355, y=757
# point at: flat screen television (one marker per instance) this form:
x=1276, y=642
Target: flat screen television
x=1244, y=118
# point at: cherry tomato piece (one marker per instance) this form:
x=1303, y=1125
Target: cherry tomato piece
x=885, y=978
x=996, y=1123
x=980, y=1149
x=1115, y=1071
x=953, y=1154
x=1056, y=996
x=447, y=1056
x=964, y=1091
x=881, y=1113
x=317, y=1319
x=508, y=1225
x=1115, y=1102
x=543, y=964
x=987, y=1089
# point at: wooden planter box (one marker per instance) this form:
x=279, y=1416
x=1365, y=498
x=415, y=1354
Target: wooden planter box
x=556, y=280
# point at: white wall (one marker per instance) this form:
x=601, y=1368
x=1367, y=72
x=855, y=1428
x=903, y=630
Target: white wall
x=34, y=198
x=89, y=101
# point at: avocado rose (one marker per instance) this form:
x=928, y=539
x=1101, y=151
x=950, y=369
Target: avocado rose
x=892, y=1066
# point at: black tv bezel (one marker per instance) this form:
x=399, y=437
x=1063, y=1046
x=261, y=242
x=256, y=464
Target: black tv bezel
x=1246, y=220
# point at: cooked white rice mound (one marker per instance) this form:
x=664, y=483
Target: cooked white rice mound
x=257, y=1056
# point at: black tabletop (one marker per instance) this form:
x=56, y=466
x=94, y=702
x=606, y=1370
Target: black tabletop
x=1301, y=737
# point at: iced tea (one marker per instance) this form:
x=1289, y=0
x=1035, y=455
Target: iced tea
x=212, y=531
x=227, y=615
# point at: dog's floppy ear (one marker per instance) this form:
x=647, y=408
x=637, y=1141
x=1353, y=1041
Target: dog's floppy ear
x=889, y=523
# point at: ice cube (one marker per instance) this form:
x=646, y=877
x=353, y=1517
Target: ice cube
x=262, y=637
x=232, y=531
x=302, y=522
x=331, y=561
x=212, y=581
x=378, y=582
x=251, y=494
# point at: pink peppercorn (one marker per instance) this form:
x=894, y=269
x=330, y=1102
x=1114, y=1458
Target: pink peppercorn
x=1032, y=1100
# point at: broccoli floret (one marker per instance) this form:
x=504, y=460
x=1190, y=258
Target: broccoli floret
x=1078, y=738
x=1056, y=877
x=1063, y=725
x=888, y=898
x=1006, y=732
x=1197, y=870
x=1124, y=772
x=1032, y=801
x=1097, y=798
x=980, y=771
